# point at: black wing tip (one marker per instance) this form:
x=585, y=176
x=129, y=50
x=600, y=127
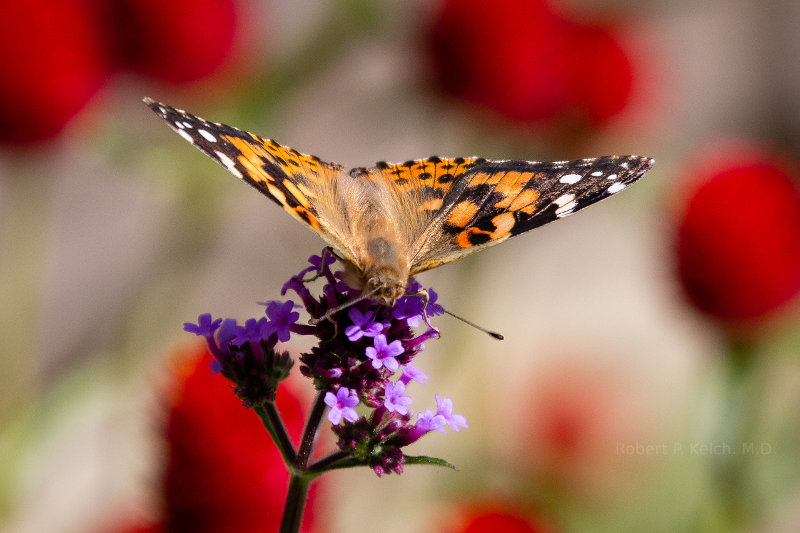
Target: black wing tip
x=155, y=105
x=645, y=163
x=160, y=109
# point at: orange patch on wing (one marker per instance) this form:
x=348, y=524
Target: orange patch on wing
x=294, y=191
x=278, y=195
x=306, y=216
x=462, y=214
x=463, y=238
x=510, y=187
x=503, y=223
x=250, y=158
x=400, y=172
x=524, y=199
x=482, y=177
x=431, y=205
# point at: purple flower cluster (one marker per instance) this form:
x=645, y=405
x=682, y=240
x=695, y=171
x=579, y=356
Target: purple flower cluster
x=359, y=350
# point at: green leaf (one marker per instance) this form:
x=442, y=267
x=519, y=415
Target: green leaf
x=351, y=462
x=425, y=460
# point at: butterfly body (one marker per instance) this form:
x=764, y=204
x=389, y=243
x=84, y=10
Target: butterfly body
x=395, y=220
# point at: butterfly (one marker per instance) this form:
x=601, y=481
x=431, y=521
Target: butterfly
x=394, y=220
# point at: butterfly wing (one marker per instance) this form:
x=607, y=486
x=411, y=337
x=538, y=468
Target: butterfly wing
x=495, y=200
x=306, y=187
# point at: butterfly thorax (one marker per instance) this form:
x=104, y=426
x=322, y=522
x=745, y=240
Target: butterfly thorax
x=385, y=271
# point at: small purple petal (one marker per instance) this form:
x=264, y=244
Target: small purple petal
x=408, y=308
x=281, y=316
x=363, y=326
x=412, y=374
x=341, y=405
x=205, y=326
x=227, y=332
x=252, y=331
x=428, y=421
x=383, y=355
x=395, y=398
x=433, y=309
x=444, y=407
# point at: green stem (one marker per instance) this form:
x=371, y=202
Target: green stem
x=295, y=503
x=274, y=424
x=740, y=413
x=310, y=433
x=300, y=480
x=321, y=465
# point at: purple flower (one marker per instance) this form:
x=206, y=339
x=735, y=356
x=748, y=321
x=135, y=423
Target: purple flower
x=349, y=372
x=433, y=309
x=444, y=407
x=226, y=333
x=413, y=286
x=363, y=326
x=395, y=398
x=341, y=405
x=281, y=317
x=316, y=264
x=428, y=421
x=410, y=373
x=383, y=354
x=205, y=327
x=408, y=308
x=252, y=331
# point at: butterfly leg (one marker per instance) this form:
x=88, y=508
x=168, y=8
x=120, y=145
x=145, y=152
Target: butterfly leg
x=332, y=311
x=326, y=253
x=423, y=293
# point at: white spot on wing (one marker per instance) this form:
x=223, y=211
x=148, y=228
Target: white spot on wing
x=597, y=173
x=186, y=136
x=564, y=199
x=618, y=186
x=207, y=136
x=570, y=179
x=566, y=209
x=229, y=164
x=566, y=204
x=612, y=176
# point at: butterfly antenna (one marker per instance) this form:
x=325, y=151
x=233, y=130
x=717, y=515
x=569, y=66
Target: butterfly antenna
x=492, y=334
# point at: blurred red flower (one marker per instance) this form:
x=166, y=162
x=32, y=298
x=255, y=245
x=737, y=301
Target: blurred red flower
x=52, y=61
x=493, y=518
x=223, y=473
x=579, y=409
x=56, y=54
x=602, y=74
x=178, y=41
x=738, y=241
x=528, y=63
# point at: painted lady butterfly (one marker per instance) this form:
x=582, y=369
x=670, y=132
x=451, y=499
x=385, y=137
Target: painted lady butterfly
x=394, y=220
